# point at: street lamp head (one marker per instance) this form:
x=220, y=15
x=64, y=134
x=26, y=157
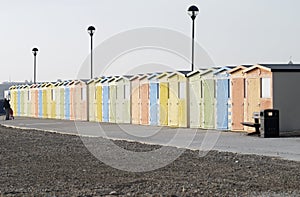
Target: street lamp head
x=91, y=30
x=193, y=11
x=34, y=51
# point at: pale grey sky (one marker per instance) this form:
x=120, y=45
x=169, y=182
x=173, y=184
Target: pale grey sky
x=232, y=31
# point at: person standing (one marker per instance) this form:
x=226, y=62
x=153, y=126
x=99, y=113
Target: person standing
x=6, y=106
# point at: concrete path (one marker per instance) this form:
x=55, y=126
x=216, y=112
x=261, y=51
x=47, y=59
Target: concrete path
x=195, y=139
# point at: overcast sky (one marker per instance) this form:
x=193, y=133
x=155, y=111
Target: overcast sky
x=232, y=32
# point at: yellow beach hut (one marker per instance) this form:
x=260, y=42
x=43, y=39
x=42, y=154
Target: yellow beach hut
x=163, y=98
x=98, y=89
x=178, y=94
x=57, y=98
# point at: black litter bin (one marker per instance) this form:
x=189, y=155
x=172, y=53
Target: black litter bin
x=269, y=121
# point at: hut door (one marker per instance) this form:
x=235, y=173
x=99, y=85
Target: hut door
x=67, y=104
x=112, y=103
x=45, y=104
x=99, y=103
x=57, y=99
x=135, y=105
x=105, y=104
x=222, y=101
x=62, y=103
x=163, y=103
x=237, y=102
x=119, y=103
x=153, y=103
x=144, y=104
x=253, y=97
x=195, y=96
x=173, y=104
x=40, y=101
x=209, y=100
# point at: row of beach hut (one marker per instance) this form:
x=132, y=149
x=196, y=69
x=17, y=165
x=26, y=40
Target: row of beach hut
x=215, y=98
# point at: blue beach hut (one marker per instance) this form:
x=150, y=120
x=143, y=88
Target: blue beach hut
x=105, y=99
x=40, y=100
x=222, y=97
x=19, y=100
x=153, y=99
x=67, y=100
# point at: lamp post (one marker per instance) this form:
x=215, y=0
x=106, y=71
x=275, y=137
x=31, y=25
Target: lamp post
x=193, y=12
x=34, y=51
x=91, y=31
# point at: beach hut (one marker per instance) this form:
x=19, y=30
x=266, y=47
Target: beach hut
x=222, y=81
x=105, y=99
x=178, y=95
x=57, y=98
x=25, y=91
x=80, y=99
x=163, y=98
x=21, y=100
x=237, y=96
x=153, y=99
x=51, y=100
x=72, y=87
x=123, y=103
x=30, y=101
x=13, y=98
x=40, y=100
x=135, y=99
x=196, y=99
x=34, y=100
x=18, y=100
x=25, y=99
x=44, y=100
x=112, y=99
x=208, y=89
x=92, y=99
x=67, y=100
x=62, y=99
x=98, y=89
x=258, y=81
x=144, y=99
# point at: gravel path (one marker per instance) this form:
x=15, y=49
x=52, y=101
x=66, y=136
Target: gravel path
x=35, y=163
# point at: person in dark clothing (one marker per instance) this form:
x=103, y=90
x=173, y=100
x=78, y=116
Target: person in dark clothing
x=6, y=106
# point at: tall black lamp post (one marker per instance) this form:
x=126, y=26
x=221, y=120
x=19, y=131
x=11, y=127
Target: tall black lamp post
x=34, y=51
x=91, y=31
x=193, y=12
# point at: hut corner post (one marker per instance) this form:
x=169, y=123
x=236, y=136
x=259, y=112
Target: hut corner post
x=187, y=102
x=87, y=103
